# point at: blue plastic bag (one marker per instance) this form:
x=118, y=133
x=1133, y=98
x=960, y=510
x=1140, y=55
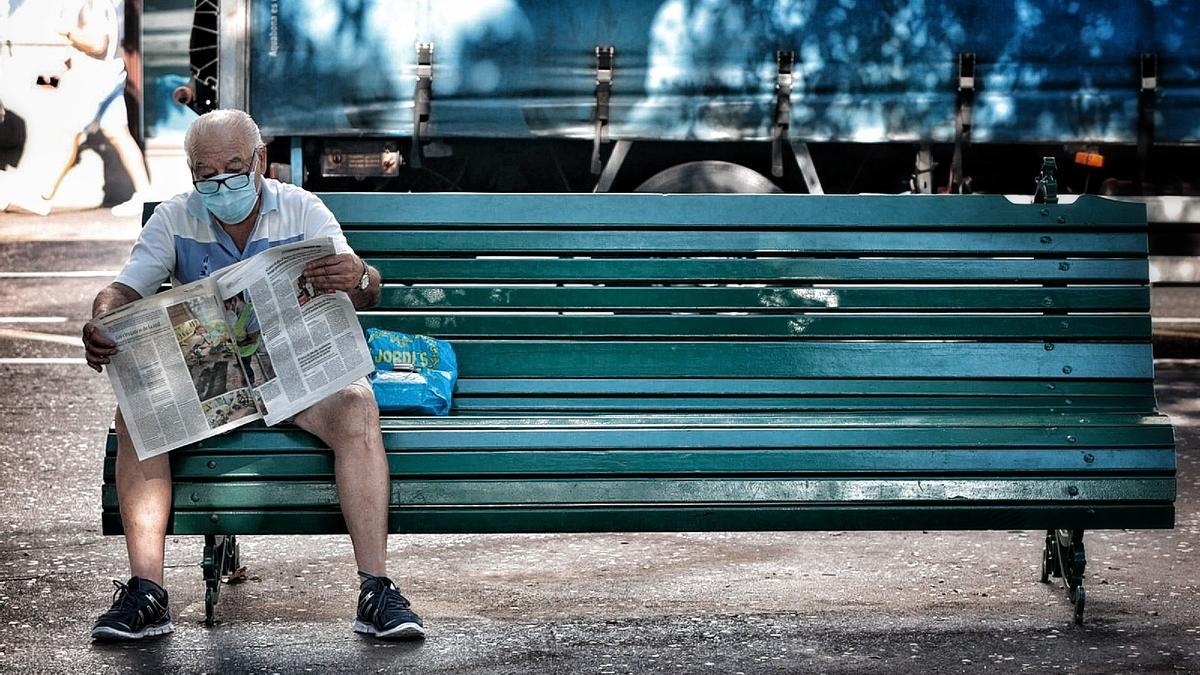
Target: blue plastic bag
x=414, y=374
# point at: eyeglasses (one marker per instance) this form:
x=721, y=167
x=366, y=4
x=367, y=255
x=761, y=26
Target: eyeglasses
x=209, y=186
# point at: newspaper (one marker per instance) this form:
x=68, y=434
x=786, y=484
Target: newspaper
x=254, y=341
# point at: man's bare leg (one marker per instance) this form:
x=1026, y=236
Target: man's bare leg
x=348, y=422
x=144, y=490
x=71, y=154
x=139, y=609
x=131, y=157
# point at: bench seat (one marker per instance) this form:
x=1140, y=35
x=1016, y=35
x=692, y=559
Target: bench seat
x=689, y=472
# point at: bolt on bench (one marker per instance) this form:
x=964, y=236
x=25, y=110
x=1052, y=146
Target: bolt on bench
x=739, y=362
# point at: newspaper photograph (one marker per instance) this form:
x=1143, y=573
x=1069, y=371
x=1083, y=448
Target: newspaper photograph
x=305, y=291
x=309, y=342
x=247, y=338
x=255, y=341
x=210, y=355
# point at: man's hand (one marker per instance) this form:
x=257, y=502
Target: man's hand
x=99, y=347
x=339, y=272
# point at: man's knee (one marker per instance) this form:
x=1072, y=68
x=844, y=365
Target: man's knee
x=348, y=415
x=132, y=470
x=355, y=402
x=355, y=405
x=124, y=440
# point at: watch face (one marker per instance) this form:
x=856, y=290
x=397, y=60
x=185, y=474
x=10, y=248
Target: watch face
x=365, y=281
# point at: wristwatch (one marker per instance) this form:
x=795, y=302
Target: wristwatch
x=366, y=278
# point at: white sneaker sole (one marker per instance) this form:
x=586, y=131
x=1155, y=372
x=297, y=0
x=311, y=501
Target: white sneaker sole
x=104, y=633
x=37, y=208
x=405, y=631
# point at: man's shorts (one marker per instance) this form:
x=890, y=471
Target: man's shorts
x=111, y=113
x=362, y=382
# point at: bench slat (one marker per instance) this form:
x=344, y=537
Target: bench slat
x=805, y=419
x=467, y=405
x=977, y=430
x=406, y=463
x=797, y=326
x=764, y=517
x=397, y=298
x=884, y=438
x=547, y=358
x=752, y=386
x=660, y=490
x=1044, y=418
x=763, y=270
x=1088, y=213
x=812, y=242
x=1064, y=434
x=746, y=395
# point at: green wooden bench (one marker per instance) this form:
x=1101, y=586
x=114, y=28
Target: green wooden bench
x=739, y=362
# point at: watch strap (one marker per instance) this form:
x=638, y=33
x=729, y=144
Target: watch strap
x=365, y=279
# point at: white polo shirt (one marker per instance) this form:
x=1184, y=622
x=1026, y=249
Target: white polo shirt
x=183, y=242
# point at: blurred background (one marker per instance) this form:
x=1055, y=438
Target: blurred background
x=840, y=96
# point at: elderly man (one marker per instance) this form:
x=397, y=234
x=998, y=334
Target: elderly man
x=233, y=213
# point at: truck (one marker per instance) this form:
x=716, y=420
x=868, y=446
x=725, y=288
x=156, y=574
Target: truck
x=922, y=96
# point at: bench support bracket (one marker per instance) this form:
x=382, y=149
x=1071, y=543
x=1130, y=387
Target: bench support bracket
x=964, y=104
x=922, y=180
x=221, y=557
x=808, y=168
x=604, y=82
x=613, y=165
x=1147, y=95
x=786, y=61
x=1064, y=558
x=1046, y=185
x=422, y=101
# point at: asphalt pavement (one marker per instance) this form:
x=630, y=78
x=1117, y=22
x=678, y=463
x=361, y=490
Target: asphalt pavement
x=836, y=602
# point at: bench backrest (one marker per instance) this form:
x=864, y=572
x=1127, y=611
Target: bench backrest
x=630, y=303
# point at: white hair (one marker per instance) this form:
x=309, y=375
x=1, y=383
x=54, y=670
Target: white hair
x=221, y=122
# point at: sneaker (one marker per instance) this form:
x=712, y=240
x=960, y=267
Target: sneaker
x=384, y=613
x=132, y=207
x=39, y=206
x=139, y=610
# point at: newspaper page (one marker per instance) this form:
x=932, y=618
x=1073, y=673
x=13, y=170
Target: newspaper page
x=176, y=373
x=297, y=344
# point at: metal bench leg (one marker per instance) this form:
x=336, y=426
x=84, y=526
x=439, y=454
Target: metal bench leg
x=1064, y=558
x=221, y=557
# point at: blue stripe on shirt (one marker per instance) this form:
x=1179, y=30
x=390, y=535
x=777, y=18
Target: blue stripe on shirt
x=196, y=260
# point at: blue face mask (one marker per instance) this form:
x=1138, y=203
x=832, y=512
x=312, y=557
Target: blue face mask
x=232, y=205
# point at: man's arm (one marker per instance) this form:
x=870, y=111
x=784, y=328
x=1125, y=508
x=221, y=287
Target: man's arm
x=99, y=347
x=91, y=33
x=342, y=272
x=92, y=43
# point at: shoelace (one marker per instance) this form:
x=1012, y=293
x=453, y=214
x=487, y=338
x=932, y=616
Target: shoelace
x=392, y=600
x=390, y=596
x=122, y=598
